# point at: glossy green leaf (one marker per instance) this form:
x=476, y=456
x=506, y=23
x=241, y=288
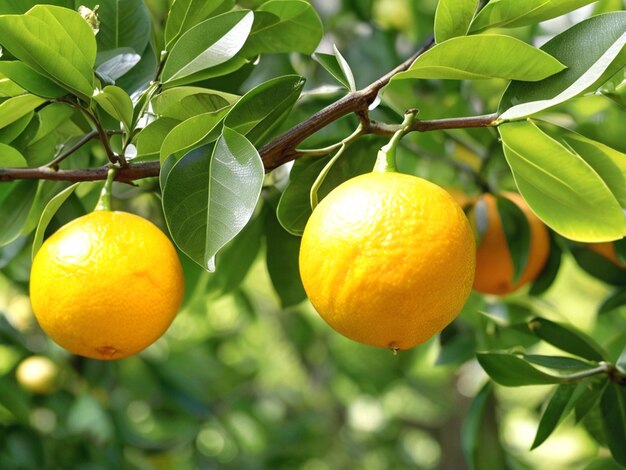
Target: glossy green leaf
x=123, y=23
x=15, y=208
x=451, y=60
x=11, y=157
x=613, y=408
x=614, y=301
x=115, y=63
x=512, y=371
x=453, y=18
x=139, y=77
x=338, y=67
x=193, y=132
x=516, y=13
x=30, y=80
x=284, y=26
x=517, y=234
x=149, y=140
x=15, y=7
x=224, y=70
x=17, y=107
x=566, y=338
x=117, y=103
x=607, y=162
x=593, y=50
x=554, y=412
x=9, y=133
x=56, y=42
x=479, y=436
x=263, y=109
x=208, y=44
x=560, y=363
x=589, y=397
x=598, y=266
x=8, y=88
x=185, y=102
x=282, y=261
x=560, y=187
x=208, y=199
x=185, y=14
x=48, y=213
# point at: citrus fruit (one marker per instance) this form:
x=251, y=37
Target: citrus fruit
x=607, y=251
x=387, y=259
x=37, y=374
x=494, y=264
x=106, y=285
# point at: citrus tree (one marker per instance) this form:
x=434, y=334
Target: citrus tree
x=444, y=182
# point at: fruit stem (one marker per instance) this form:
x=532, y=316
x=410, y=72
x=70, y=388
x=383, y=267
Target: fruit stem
x=386, y=160
x=322, y=176
x=104, y=202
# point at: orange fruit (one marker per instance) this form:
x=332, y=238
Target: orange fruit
x=607, y=250
x=106, y=285
x=387, y=259
x=494, y=265
x=37, y=374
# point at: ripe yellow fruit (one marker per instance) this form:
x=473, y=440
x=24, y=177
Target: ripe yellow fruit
x=37, y=374
x=494, y=265
x=106, y=285
x=607, y=250
x=387, y=259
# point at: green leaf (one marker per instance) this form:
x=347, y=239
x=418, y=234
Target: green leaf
x=613, y=408
x=149, y=140
x=338, y=67
x=237, y=257
x=117, y=103
x=115, y=63
x=17, y=107
x=614, y=301
x=48, y=213
x=282, y=262
x=553, y=413
x=452, y=60
x=9, y=133
x=598, y=266
x=549, y=272
x=208, y=44
x=56, y=42
x=31, y=80
x=263, y=109
x=11, y=157
x=138, y=78
x=185, y=14
x=123, y=23
x=516, y=13
x=9, y=88
x=15, y=208
x=593, y=50
x=453, y=18
x=512, y=371
x=479, y=436
x=13, y=400
x=193, y=132
x=560, y=363
x=566, y=338
x=589, y=397
x=282, y=26
x=560, y=187
x=517, y=234
x=207, y=200
x=607, y=162
x=184, y=102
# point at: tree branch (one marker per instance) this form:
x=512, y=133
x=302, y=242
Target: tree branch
x=280, y=150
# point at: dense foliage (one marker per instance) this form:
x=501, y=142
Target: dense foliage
x=194, y=102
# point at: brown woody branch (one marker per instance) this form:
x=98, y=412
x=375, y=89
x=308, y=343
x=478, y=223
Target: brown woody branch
x=284, y=147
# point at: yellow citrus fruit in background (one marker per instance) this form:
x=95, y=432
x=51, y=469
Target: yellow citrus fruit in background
x=494, y=265
x=37, y=374
x=607, y=250
x=387, y=259
x=106, y=285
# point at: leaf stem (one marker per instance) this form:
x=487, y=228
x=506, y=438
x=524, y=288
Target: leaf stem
x=386, y=160
x=104, y=202
x=322, y=176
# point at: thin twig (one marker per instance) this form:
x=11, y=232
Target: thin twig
x=77, y=146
